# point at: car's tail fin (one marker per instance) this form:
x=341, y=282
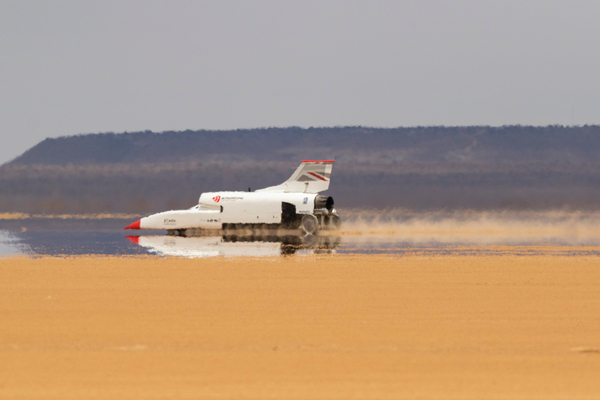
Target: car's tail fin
x=310, y=177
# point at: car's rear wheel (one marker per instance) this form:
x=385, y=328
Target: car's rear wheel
x=310, y=224
x=335, y=222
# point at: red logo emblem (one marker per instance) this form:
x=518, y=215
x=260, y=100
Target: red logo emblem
x=217, y=198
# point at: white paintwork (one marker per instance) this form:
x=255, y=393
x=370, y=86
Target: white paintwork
x=181, y=219
x=255, y=207
x=260, y=207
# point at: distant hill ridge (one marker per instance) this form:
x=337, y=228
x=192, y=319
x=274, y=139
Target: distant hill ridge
x=420, y=168
x=419, y=144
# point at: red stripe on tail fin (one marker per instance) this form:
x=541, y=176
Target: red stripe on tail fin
x=317, y=176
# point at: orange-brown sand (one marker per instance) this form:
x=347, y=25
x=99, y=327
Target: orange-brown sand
x=312, y=327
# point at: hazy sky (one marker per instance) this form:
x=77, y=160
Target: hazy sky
x=80, y=67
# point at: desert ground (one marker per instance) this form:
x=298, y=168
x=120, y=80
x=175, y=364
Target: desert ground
x=504, y=324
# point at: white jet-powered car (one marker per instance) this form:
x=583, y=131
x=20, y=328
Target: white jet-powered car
x=294, y=204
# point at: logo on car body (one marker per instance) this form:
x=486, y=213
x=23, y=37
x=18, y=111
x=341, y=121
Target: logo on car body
x=305, y=201
x=217, y=198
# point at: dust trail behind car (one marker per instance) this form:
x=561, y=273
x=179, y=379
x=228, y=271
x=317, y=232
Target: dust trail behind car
x=476, y=227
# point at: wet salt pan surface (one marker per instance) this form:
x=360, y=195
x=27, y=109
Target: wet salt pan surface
x=106, y=243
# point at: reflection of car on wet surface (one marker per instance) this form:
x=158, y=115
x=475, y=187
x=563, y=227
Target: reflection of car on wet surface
x=237, y=245
x=295, y=204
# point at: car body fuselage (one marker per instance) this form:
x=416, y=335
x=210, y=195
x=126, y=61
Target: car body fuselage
x=215, y=209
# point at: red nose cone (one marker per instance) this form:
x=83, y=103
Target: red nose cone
x=135, y=225
x=134, y=239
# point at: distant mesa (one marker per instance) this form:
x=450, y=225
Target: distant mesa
x=414, y=168
x=361, y=144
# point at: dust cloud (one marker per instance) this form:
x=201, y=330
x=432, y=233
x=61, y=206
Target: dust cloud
x=479, y=227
